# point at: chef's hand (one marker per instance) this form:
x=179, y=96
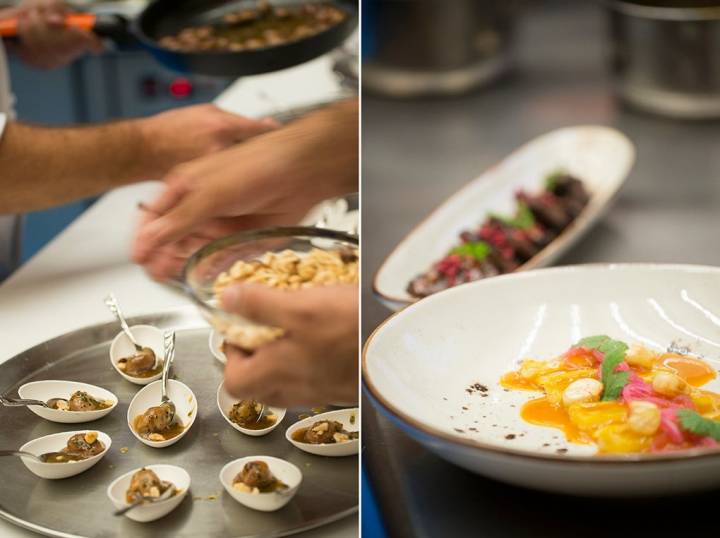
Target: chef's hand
x=273, y=179
x=45, y=41
x=314, y=363
x=186, y=134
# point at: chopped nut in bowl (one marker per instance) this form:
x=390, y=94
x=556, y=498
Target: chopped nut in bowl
x=284, y=258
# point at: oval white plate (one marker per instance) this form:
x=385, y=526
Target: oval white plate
x=150, y=512
x=225, y=403
x=55, y=443
x=418, y=365
x=44, y=390
x=266, y=502
x=215, y=341
x=146, y=336
x=185, y=408
x=599, y=156
x=330, y=449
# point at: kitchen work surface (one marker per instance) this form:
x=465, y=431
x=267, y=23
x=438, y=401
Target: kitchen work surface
x=61, y=288
x=328, y=491
x=417, y=153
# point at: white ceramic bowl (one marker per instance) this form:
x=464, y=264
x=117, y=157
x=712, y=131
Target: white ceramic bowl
x=331, y=449
x=152, y=511
x=146, y=336
x=266, y=502
x=419, y=363
x=225, y=403
x=599, y=156
x=215, y=342
x=185, y=408
x=55, y=443
x=44, y=390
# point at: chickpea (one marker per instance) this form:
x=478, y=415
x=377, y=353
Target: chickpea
x=582, y=391
x=668, y=384
x=644, y=417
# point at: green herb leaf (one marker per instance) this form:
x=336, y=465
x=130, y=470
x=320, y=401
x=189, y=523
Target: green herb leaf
x=552, y=178
x=694, y=422
x=614, y=350
x=593, y=342
x=523, y=218
x=475, y=249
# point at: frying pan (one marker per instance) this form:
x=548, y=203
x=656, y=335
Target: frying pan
x=168, y=17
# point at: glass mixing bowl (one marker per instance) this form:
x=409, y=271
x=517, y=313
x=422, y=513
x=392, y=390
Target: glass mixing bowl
x=203, y=268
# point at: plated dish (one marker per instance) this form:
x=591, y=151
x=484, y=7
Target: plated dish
x=243, y=415
x=262, y=483
x=152, y=423
x=334, y=433
x=599, y=157
x=502, y=243
x=435, y=370
x=622, y=399
x=258, y=27
x=139, y=367
x=66, y=454
x=71, y=401
x=148, y=481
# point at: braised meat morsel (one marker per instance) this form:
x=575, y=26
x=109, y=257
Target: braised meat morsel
x=501, y=244
x=142, y=364
x=324, y=432
x=80, y=446
x=79, y=401
x=257, y=478
x=157, y=424
x=263, y=26
x=145, y=483
x=246, y=413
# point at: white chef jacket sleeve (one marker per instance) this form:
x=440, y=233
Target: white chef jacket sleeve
x=3, y=120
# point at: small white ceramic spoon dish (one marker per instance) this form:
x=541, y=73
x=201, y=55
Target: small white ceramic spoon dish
x=47, y=389
x=149, y=396
x=215, y=341
x=350, y=419
x=122, y=348
x=178, y=476
x=283, y=470
x=55, y=443
x=225, y=403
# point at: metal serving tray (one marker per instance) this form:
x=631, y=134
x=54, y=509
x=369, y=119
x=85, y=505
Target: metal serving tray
x=79, y=507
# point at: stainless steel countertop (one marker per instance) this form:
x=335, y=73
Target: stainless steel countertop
x=416, y=153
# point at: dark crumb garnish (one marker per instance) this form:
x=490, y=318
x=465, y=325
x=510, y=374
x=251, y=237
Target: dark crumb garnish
x=444, y=398
x=477, y=387
x=473, y=429
x=512, y=405
x=506, y=390
x=561, y=450
x=494, y=425
x=510, y=436
x=484, y=395
x=465, y=408
x=459, y=430
x=546, y=444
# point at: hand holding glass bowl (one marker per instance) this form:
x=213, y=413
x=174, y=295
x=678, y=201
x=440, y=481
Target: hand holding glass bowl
x=292, y=335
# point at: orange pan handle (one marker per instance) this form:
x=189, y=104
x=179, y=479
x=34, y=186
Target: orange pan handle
x=86, y=21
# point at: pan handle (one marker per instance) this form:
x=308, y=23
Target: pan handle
x=104, y=25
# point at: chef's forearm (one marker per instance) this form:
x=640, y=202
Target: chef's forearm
x=42, y=167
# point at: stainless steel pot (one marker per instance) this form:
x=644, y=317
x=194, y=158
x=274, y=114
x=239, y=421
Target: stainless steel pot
x=666, y=55
x=422, y=47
